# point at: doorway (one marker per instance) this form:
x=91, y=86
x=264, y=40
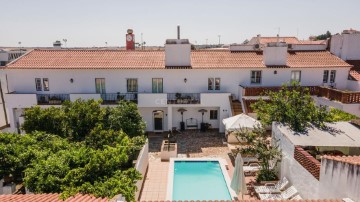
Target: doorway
x=158, y=120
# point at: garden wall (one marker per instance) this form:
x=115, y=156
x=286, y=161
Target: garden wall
x=141, y=165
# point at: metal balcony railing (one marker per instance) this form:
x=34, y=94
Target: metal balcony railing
x=52, y=99
x=183, y=98
x=115, y=98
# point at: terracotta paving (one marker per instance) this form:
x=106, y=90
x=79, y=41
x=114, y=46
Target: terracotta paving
x=193, y=144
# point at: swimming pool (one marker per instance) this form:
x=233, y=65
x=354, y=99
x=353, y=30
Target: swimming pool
x=198, y=179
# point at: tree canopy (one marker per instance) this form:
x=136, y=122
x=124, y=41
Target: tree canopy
x=323, y=36
x=78, y=147
x=291, y=105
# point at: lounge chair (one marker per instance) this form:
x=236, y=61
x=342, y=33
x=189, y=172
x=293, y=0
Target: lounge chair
x=297, y=197
x=285, y=195
x=271, y=188
x=251, y=168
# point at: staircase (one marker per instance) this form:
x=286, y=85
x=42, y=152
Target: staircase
x=236, y=107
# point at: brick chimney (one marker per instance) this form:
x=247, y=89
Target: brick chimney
x=130, y=40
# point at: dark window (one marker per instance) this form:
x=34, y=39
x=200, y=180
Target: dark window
x=132, y=85
x=256, y=77
x=332, y=76
x=214, y=84
x=157, y=85
x=100, y=85
x=38, y=84
x=326, y=76
x=217, y=83
x=213, y=114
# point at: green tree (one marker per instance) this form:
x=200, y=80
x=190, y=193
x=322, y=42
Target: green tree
x=126, y=117
x=258, y=145
x=291, y=105
x=323, y=36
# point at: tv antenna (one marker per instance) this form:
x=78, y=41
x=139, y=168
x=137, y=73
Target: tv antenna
x=65, y=40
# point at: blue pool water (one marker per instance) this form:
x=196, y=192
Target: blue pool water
x=199, y=180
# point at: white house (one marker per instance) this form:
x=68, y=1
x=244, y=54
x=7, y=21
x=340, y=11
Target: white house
x=163, y=81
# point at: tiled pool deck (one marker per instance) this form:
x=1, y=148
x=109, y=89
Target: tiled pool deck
x=193, y=144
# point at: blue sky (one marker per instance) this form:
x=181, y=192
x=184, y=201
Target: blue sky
x=88, y=23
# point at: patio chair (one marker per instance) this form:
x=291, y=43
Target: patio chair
x=269, y=188
x=251, y=168
x=297, y=197
x=285, y=195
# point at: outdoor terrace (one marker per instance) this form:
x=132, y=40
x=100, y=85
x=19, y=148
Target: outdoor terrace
x=345, y=97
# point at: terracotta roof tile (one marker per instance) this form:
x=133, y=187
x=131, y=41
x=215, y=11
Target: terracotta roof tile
x=49, y=198
x=354, y=73
x=202, y=59
x=346, y=159
x=271, y=39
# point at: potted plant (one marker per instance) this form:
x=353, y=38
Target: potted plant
x=54, y=100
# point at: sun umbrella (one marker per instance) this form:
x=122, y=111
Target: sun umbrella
x=238, y=183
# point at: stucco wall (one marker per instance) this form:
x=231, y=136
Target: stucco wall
x=141, y=165
x=23, y=81
x=349, y=108
x=339, y=180
x=353, y=85
x=306, y=184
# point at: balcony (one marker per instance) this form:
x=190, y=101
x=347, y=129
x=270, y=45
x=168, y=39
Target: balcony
x=52, y=99
x=345, y=97
x=183, y=98
x=115, y=98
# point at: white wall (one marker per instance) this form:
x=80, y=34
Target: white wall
x=23, y=81
x=141, y=165
x=147, y=114
x=349, y=108
x=306, y=184
x=177, y=54
x=353, y=85
x=346, y=46
x=276, y=55
x=339, y=180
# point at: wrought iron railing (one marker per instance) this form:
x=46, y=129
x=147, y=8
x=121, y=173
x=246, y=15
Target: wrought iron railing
x=115, y=98
x=51, y=99
x=183, y=98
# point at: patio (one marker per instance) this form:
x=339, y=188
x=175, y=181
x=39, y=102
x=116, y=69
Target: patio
x=191, y=143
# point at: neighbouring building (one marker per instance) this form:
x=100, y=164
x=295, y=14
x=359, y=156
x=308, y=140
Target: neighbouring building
x=303, y=161
x=209, y=84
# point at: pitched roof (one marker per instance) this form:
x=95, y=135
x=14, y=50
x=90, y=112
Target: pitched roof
x=49, y=198
x=271, y=39
x=354, y=73
x=202, y=59
x=355, y=160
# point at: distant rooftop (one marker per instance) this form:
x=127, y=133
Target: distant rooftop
x=286, y=39
x=49, y=198
x=339, y=134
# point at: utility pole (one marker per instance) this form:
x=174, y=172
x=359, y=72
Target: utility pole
x=219, y=38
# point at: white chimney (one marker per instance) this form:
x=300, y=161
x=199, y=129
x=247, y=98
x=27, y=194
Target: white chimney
x=177, y=52
x=275, y=54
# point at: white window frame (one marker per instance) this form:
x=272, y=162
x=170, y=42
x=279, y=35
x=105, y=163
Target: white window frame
x=214, y=83
x=253, y=80
x=293, y=77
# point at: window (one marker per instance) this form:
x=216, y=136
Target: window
x=217, y=83
x=213, y=114
x=46, y=84
x=332, y=76
x=326, y=76
x=100, y=85
x=132, y=85
x=296, y=76
x=214, y=84
x=256, y=77
x=157, y=85
x=38, y=84
x=210, y=84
